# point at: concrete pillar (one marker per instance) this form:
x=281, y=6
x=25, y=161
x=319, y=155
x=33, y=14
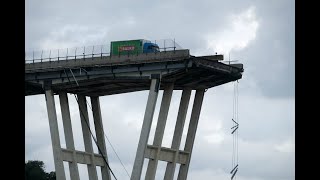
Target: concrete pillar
x=196, y=109
x=100, y=135
x=54, y=132
x=92, y=171
x=163, y=114
x=176, y=141
x=65, y=112
x=145, y=130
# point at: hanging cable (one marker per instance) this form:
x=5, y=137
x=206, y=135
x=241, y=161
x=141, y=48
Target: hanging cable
x=236, y=132
x=118, y=157
x=111, y=145
x=237, y=114
x=87, y=121
x=235, y=122
x=106, y=135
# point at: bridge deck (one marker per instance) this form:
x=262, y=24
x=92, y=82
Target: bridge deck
x=123, y=74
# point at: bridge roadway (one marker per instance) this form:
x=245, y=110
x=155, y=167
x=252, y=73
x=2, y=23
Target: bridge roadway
x=99, y=76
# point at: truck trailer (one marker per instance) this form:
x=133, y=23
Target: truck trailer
x=130, y=47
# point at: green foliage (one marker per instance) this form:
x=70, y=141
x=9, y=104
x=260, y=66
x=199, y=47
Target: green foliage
x=34, y=170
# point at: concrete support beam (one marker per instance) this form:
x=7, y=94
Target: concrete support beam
x=196, y=109
x=65, y=112
x=176, y=141
x=82, y=157
x=92, y=171
x=100, y=135
x=163, y=114
x=146, y=126
x=54, y=132
x=166, y=154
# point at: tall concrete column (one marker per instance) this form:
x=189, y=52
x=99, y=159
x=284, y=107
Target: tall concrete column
x=163, y=114
x=183, y=109
x=146, y=126
x=196, y=109
x=54, y=132
x=100, y=135
x=65, y=112
x=92, y=171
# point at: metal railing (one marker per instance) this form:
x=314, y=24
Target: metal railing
x=88, y=52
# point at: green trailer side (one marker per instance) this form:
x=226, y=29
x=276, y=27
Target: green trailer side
x=126, y=47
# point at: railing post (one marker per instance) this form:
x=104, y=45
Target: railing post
x=67, y=55
x=84, y=52
x=75, y=54
x=101, y=51
x=50, y=56
x=92, y=51
x=41, y=56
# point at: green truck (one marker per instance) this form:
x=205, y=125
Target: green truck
x=130, y=47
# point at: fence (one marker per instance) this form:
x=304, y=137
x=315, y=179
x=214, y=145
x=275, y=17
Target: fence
x=87, y=52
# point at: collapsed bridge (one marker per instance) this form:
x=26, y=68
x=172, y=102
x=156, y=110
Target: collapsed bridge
x=108, y=75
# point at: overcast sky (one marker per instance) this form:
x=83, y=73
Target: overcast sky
x=259, y=34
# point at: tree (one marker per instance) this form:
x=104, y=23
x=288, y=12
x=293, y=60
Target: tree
x=34, y=170
x=51, y=176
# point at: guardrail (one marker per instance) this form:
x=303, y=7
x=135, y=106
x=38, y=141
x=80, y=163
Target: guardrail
x=87, y=52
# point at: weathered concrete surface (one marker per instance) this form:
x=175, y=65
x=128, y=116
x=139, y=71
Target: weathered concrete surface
x=54, y=132
x=68, y=133
x=161, y=124
x=145, y=130
x=100, y=134
x=193, y=125
x=178, y=130
x=92, y=170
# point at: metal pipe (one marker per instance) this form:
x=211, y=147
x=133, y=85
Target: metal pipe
x=67, y=55
x=92, y=51
x=41, y=56
x=84, y=51
x=75, y=54
x=50, y=56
